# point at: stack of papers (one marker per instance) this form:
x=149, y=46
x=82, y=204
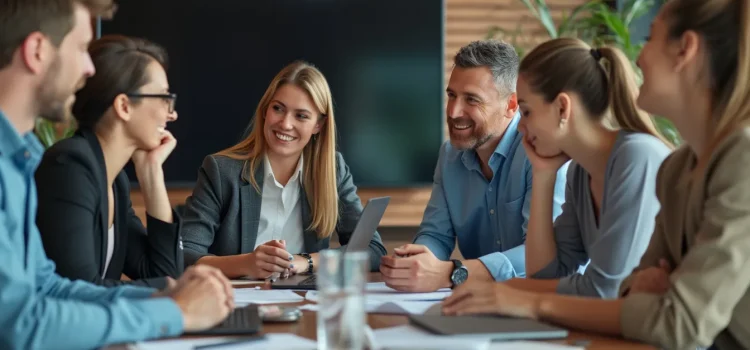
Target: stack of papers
x=246, y=296
x=411, y=337
x=271, y=341
x=393, y=307
x=380, y=292
x=382, y=299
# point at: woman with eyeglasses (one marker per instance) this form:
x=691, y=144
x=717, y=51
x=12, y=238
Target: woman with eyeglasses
x=85, y=216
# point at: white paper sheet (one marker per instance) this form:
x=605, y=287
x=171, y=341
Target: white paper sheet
x=411, y=337
x=393, y=307
x=530, y=345
x=387, y=296
x=272, y=296
x=271, y=341
x=380, y=287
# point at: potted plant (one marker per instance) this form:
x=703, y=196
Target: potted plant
x=594, y=22
x=50, y=132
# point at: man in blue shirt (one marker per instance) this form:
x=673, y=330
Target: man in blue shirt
x=43, y=60
x=482, y=185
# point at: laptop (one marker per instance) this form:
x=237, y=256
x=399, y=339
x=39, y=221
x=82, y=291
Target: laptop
x=495, y=327
x=241, y=321
x=359, y=241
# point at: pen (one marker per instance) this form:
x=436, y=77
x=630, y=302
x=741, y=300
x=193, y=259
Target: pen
x=229, y=343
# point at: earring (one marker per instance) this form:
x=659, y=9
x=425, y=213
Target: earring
x=562, y=121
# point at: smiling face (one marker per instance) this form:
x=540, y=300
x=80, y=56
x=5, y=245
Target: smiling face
x=540, y=121
x=149, y=116
x=291, y=120
x=657, y=61
x=69, y=70
x=476, y=110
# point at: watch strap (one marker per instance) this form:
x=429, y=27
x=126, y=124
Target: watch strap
x=309, y=262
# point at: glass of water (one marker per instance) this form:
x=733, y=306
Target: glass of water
x=341, y=283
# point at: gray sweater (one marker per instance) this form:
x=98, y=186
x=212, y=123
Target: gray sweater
x=593, y=259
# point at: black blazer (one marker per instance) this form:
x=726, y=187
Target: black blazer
x=72, y=219
x=221, y=217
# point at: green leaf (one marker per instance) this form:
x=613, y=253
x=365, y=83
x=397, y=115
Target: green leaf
x=634, y=9
x=570, y=22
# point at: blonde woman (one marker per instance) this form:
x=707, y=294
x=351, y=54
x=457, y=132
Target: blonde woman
x=691, y=287
x=268, y=204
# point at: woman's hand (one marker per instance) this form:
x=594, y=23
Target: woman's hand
x=144, y=159
x=543, y=165
x=269, y=258
x=491, y=298
x=148, y=170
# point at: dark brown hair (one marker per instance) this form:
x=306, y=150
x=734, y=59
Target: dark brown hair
x=607, y=89
x=120, y=64
x=723, y=26
x=53, y=18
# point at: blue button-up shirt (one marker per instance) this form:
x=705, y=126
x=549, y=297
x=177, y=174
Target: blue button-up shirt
x=488, y=217
x=38, y=308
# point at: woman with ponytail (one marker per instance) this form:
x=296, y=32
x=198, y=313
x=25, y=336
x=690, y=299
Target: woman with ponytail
x=691, y=287
x=578, y=103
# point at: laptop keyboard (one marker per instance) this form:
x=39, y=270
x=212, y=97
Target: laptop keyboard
x=310, y=281
x=241, y=318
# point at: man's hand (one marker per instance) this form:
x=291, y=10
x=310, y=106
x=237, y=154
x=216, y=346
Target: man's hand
x=171, y=284
x=652, y=280
x=205, y=297
x=416, y=270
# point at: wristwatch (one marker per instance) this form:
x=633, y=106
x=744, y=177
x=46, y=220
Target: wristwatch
x=309, y=262
x=460, y=273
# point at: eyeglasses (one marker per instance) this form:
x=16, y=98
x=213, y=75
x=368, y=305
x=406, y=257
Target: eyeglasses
x=170, y=98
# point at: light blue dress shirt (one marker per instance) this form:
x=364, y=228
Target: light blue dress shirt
x=38, y=308
x=488, y=217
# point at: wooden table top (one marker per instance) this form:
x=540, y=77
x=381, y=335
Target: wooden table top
x=306, y=327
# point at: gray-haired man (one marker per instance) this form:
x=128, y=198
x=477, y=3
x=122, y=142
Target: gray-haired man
x=482, y=185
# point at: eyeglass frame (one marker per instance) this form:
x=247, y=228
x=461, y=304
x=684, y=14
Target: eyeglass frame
x=172, y=97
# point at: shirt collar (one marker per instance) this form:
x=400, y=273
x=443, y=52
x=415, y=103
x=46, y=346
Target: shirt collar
x=268, y=171
x=504, y=147
x=12, y=144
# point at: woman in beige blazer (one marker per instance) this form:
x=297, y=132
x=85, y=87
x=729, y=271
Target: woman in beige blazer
x=691, y=287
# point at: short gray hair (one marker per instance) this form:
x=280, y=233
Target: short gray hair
x=500, y=57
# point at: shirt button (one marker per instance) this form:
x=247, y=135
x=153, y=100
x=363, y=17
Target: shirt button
x=164, y=330
x=490, y=190
x=498, y=242
x=26, y=154
x=492, y=211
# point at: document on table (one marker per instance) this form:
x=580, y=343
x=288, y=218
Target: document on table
x=393, y=307
x=271, y=341
x=265, y=296
x=411, y=337
x=379, y=292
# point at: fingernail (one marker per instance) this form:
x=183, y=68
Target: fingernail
x=291, y=266
x=291, y=257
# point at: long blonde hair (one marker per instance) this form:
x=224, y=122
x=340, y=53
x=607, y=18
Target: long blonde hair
x=319, y=175
x=723, y=24
x=607, y=89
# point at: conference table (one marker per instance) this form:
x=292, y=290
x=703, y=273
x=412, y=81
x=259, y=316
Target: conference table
x=306, y=326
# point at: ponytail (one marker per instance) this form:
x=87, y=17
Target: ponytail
x=603, y=79
x=623, y=92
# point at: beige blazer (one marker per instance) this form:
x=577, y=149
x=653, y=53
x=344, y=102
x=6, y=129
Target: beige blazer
x=708, y=300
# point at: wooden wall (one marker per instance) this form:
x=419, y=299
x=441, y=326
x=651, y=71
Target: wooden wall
x=466, y=20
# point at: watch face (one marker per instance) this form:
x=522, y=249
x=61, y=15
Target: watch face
x=460, y=275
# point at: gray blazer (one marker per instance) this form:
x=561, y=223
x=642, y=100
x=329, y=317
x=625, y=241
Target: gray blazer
x=221, y=216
